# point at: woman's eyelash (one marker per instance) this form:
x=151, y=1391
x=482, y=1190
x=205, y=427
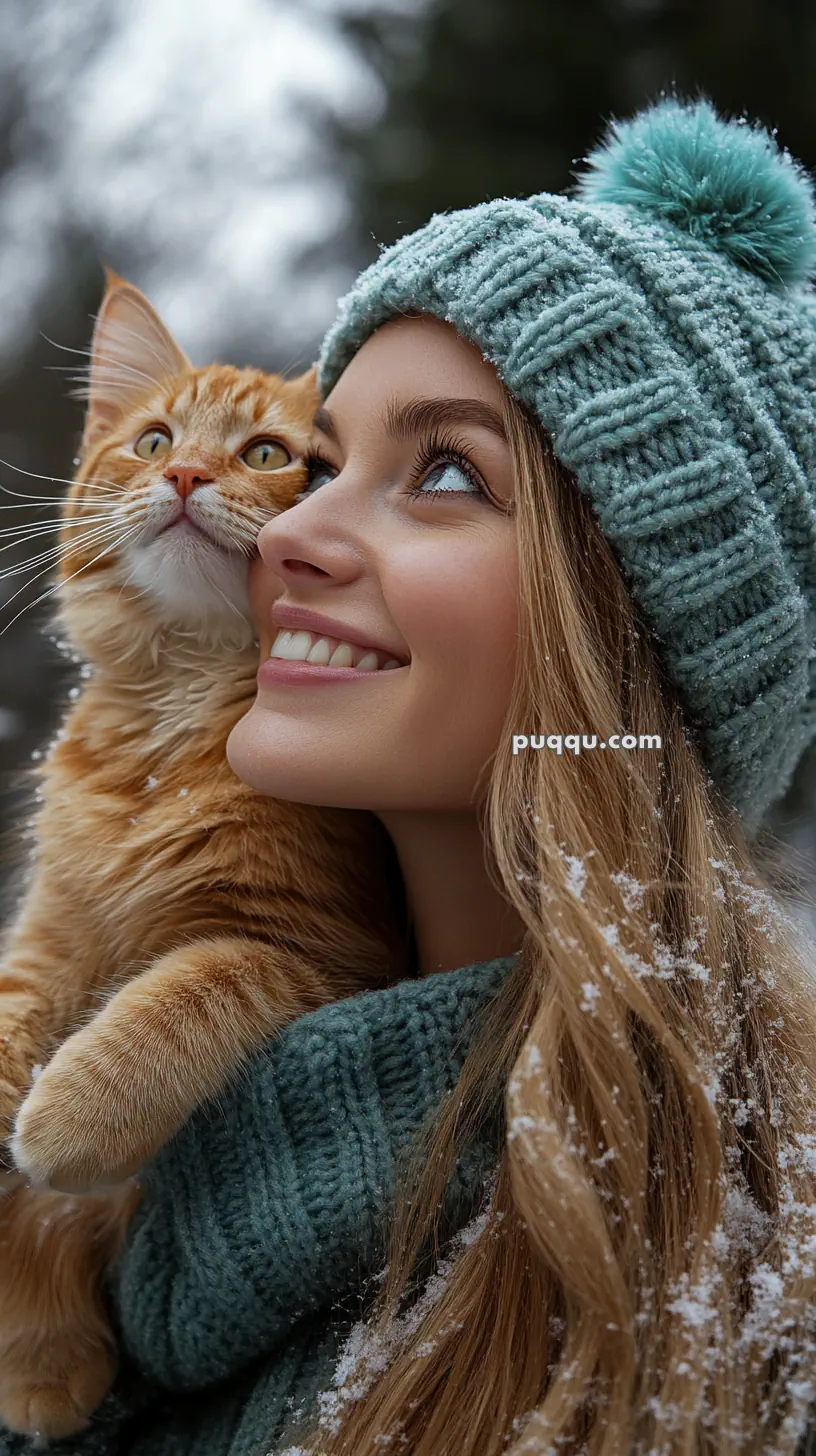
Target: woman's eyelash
x=312, y=458
x=313, y=461
x=436, y=449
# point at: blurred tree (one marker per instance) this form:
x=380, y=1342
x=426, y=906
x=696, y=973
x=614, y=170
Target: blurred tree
x=488, y=98
x=39, y=429
x=40, y=425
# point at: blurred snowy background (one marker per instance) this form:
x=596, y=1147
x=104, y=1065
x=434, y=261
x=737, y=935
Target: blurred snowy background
x=240, y=161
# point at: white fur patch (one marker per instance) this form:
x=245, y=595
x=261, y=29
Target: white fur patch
x=188, y=578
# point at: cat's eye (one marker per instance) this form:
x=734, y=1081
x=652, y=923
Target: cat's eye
x=266, y=455
x=152, y=444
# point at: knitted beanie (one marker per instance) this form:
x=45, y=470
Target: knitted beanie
x=661, y=326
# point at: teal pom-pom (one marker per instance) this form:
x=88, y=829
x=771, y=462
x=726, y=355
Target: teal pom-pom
x=726, y=183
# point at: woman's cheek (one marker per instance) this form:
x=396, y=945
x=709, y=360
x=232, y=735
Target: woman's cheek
x=458, y=608
x=263, y=589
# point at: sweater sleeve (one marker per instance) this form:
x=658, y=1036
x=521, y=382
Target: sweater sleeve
x=269, y=1204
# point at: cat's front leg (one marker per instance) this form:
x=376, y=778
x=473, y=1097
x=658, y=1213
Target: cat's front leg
x=117, y=1090
x=58, y=1355
x=22, y=1037
x=48, y=969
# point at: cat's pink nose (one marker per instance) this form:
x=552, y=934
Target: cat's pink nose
x=185, y=477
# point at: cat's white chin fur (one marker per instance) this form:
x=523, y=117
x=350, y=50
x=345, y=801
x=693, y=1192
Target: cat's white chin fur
x=187, y=579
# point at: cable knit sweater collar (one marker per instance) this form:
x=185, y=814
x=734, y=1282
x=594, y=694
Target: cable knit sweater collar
x=268, y=1206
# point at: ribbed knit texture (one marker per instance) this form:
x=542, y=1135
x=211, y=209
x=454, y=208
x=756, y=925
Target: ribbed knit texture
x=661, y=328
x=263, y=1218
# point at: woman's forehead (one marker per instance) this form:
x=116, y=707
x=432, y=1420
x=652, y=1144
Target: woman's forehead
x=412, y=359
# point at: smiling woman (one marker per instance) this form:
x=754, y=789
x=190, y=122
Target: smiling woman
x=552, y=1186
x=541, y=474
x=406, y=511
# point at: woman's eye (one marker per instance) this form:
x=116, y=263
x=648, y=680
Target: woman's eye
x=153, y=443
x=266, y=455
x=317, y=473
x=448, y=477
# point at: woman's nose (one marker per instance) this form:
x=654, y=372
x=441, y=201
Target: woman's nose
x=304, y=542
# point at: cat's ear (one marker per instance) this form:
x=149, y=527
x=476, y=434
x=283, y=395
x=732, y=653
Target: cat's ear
x=309, y=379
x=303, y=394
x=131, y=352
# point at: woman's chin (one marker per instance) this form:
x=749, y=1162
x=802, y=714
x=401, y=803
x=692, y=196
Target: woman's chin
x=249, y=758
x=278, y=762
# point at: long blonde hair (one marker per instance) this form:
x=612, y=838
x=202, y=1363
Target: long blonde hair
x=644, y=1274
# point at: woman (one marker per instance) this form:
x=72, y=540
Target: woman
x=560, y=478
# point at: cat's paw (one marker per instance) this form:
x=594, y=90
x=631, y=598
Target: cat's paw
x=76, y=1129
x=50, y=1386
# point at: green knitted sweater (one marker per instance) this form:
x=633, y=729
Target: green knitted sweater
x=262, y=1219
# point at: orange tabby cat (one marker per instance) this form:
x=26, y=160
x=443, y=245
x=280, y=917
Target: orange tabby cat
x=197, y=914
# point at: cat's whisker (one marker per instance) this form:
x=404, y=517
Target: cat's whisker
x=108, y=485
x=141, y=340
x=42, y=528
x=294, y=361
x=84, y=390
x=66, y=348
x=115, y=370
x=59, y=584
x=61, y=548
x=35, y=501
x=50, y=500
x=43, y=501
x=255, y=520
x=141, y=591
x=60, y=368
x=122, y=330
x=119, y=370
x=94, y=356
x=217, y=588
x=84, y=386
x=91, y=354
x=53, y=553
x=235, y=541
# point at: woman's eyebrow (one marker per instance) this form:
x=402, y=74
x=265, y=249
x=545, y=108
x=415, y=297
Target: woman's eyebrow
x=416, y=416
x=323, y=421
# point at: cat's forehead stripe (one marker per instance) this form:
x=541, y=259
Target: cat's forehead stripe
x=246, y=391
x=218, y=407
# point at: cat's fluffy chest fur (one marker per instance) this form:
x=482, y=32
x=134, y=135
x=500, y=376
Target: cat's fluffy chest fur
x=150, y=819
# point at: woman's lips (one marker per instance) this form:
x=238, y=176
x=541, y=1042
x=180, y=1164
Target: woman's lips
x=294, y=619
x=277, y=671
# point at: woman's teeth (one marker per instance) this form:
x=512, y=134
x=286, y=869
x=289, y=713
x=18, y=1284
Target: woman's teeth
x=328, y=652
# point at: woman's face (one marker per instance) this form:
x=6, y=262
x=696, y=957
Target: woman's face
x=400, y=552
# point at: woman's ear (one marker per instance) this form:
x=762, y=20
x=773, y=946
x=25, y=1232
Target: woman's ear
x=131, y=352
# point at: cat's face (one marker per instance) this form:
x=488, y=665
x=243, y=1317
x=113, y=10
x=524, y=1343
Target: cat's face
x=180, y=468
